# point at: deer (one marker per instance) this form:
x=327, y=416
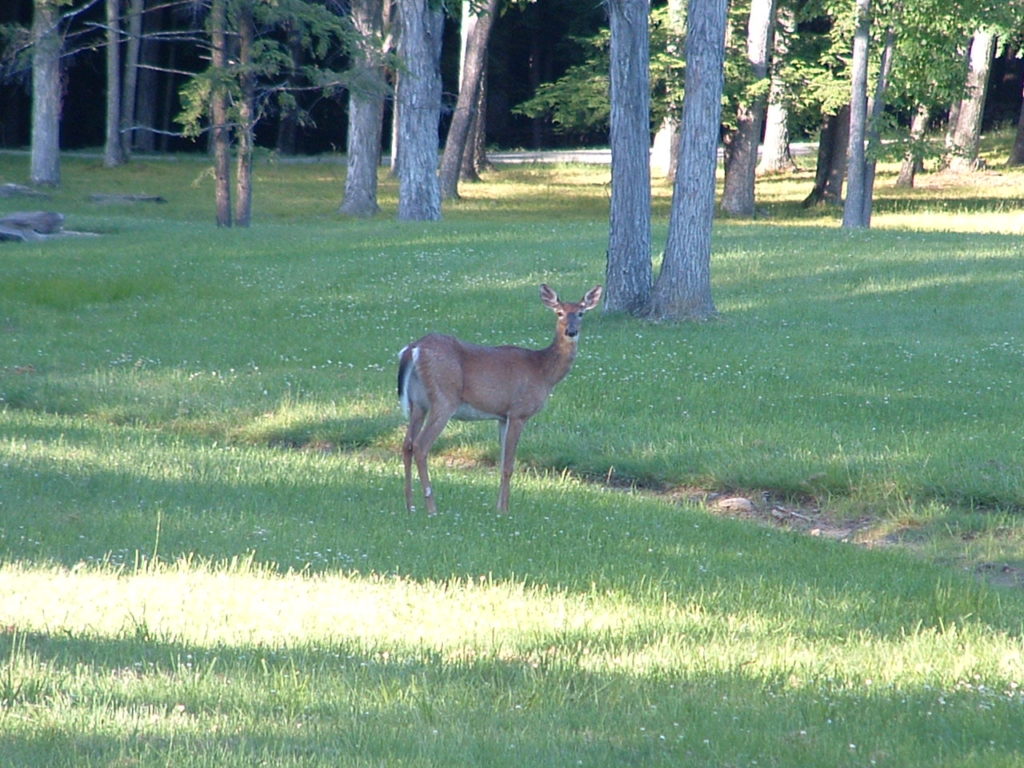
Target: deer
x=441, y=378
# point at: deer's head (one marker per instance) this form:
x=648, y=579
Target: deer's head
x=570, y=314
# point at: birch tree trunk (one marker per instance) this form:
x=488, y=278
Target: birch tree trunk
x=365, y=111
x=741, y=152
x=47, y=43
x=465, y=107
x=246, y=115
x=421, y=23
x=113, y=150
x=966, y=138
x=628, y=274
x=219, y=131
x=683, y=287
x=853, y=209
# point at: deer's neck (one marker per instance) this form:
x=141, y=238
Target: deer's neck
x=557, y=358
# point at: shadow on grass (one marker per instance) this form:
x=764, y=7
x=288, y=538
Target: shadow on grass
x=323, y=513
x=140, y=701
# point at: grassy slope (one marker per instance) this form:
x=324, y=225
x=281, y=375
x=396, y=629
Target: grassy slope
x=223, y=400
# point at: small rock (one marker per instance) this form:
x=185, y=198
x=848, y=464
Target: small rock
x=736, y=504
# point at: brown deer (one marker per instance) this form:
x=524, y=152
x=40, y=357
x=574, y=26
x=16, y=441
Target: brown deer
x=442, y=378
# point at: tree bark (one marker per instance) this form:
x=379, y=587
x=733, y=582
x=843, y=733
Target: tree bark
x=741, y=152
x=853, y=208
x=831, y=168
x=420, y=24
x=683, y=288
x=873, y=135
x=148, y=90
x=469, y=89
x=130, y=80
x=912, y=159
x=113, y=150
x=47, y=43
x=246, y=115
x=219, y=131
x=967, y=133
x=365, y=111
x=628, y=275
x=775, y=153
x=474, y=157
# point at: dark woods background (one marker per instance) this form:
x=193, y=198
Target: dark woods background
x=531, y=44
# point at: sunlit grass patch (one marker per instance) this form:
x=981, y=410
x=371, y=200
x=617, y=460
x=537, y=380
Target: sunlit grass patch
x=235, y=663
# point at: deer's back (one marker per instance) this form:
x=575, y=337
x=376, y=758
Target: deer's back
x=498, y=381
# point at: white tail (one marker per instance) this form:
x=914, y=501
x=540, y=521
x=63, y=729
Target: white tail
x=442, y=378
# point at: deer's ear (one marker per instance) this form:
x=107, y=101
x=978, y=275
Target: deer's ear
x=549, y=297
x=593, y=296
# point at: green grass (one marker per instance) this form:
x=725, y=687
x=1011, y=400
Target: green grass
x=205, y=558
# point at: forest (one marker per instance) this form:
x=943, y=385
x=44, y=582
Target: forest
x=546, y=69
x=666, y=84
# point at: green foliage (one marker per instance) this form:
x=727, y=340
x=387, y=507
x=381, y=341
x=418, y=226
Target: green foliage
x=579, y=100
x=321, y=33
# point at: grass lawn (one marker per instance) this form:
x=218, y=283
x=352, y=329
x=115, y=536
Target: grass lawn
x=205, y=558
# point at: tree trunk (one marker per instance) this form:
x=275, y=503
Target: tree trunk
x=1017, y=152
x=912, y=159
x=665, y=148
x=246, y=115
x=148, y=90
x=395, y=125
x=966, y=138
x=683, y=288
x=219, y=131
x=741, y=155
x=853, y=209
x=628, y=274
x=831, y=168
x=469, y=89
x=873, y=135
x=421, y=23
x=130, y=81
x=47, y=43
x=365, y=111
x=113, y=150
x=775, y=153
x=474, y=157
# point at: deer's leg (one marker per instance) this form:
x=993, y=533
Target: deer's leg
x=437, y=418
x=416, y=416
x=509, y=430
